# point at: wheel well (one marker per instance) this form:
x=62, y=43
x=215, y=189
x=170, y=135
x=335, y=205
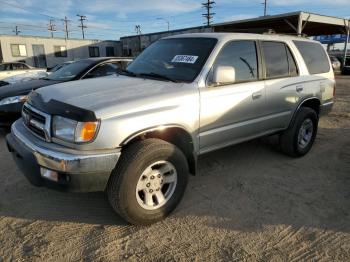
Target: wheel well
x=313, y=103
x=174, y=135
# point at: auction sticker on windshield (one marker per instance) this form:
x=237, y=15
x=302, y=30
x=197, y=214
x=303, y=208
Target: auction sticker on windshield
x=189, y=59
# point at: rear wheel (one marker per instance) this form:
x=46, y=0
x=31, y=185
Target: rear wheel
x=148, y=182
x=298, y=139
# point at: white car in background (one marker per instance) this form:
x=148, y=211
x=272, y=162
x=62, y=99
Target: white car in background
x=16, y=68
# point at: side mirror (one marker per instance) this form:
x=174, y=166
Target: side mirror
x=223, y=75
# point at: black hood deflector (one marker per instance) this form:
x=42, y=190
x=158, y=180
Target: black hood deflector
x=54, y=107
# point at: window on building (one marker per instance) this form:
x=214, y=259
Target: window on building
x=94, y=51
x=18, y=50
x=314, y=55
x=242, y=56
x=109, y=51
x=60, y=51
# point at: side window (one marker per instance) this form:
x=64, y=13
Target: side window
x=242, y=56
x=18, y=66
x=314, y=55
x=276, y=60
x=103, y=70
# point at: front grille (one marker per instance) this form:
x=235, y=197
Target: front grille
x=36, y=122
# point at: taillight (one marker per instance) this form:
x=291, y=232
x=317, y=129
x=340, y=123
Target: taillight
x=334, y=89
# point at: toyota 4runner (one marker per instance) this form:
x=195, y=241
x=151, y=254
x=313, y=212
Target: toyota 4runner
x=137, y=135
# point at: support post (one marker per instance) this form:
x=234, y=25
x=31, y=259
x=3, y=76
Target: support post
x=300, y=24
x=346, y=42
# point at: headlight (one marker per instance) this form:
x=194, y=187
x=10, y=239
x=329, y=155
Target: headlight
x=73, y=131
x=13, y=100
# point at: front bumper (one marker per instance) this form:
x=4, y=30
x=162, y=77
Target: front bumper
x=83, y=171
x=326, y=108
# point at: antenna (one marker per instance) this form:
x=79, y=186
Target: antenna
x=208, y=15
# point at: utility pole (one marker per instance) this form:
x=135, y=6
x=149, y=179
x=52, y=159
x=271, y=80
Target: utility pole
x=65, y=21
x=208, y=15
x=265, y=7
x=161, y=18
x=16, y=31
x=82, y=19
x=51, y=27
x=138, y=32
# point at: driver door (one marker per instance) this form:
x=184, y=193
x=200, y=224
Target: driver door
x=233, y=112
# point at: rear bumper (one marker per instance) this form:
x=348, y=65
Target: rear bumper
x=83, y=171
x=326, y=108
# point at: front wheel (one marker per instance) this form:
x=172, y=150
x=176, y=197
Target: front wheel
x=148, y=182
x=298, y=139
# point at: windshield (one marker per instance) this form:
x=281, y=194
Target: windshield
x=69, y=72
x=180, y=59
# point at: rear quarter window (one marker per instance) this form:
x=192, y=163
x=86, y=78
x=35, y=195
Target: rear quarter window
x=314, y=55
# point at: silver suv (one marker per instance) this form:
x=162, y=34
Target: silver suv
x=138, y=135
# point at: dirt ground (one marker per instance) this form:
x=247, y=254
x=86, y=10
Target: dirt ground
x=249, y=202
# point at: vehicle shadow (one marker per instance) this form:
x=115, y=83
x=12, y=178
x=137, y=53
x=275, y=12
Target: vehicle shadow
x=252, y=185
x=243, y=187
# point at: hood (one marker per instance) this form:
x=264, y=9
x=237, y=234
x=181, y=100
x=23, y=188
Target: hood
x=99, y=94
x=24, y=87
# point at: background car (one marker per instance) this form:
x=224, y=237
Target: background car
x=59, y=66
x=16, y=68
x=335, y=63
x=346, y=69
x=13, y=96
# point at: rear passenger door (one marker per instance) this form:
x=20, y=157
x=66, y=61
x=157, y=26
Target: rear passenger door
x=281, y=75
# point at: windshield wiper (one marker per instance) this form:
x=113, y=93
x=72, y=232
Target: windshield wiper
x=155, y=75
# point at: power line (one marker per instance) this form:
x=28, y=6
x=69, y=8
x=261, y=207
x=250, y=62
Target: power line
x=82, y=19
x=208, y=15
x=27, y=9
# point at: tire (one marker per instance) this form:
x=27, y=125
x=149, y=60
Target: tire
x=290, y=142
x=133, y=171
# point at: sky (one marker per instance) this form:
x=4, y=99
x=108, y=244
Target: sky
x=115, y=18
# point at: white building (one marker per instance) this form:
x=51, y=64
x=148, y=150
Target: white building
x=48, y=52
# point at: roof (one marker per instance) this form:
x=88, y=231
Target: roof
x=313, y=24
x=229, y=36
x=58, y=38
x=287, y=23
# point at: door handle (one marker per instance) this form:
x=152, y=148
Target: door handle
x=256, y=95
x=299, y=88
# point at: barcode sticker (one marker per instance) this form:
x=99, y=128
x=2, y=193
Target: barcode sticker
x=189, y=59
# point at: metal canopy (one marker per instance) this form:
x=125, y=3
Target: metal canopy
x=296, y=23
